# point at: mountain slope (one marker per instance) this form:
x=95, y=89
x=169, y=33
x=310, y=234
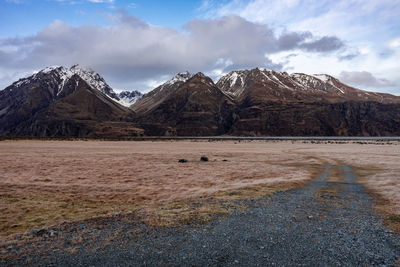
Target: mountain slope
x=155, y=97
x=78, y=102
x=50, y=103
x=193, y=107
x=259, y=86
x=276, y=104
x=351, y=118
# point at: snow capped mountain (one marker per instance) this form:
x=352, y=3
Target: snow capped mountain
x=186, y=106
x=156, y=96
x=233, y=83
x=314, y=82
x=59, y=76
x=268, y=85
x=76, y=101
x=178, y=78
x=128, y=98
x=93, y=79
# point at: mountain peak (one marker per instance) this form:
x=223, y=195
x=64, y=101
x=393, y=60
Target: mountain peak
x=58, y=76
x=76, y=66
x=49, y=69
x=199, y=74
x=184, y=74
x=128, y=98
x=180, y=77
x=79, y=69
x=200, y=77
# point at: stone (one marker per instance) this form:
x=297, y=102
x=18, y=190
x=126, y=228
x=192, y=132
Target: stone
x=204, y=158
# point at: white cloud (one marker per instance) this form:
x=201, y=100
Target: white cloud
x=394, y=44
x=131, y=52
x=366, y=27
x=364, y=79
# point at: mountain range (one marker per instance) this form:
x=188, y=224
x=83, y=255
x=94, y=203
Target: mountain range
x=77, y=102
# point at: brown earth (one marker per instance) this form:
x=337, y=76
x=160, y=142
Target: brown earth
x=49, y=182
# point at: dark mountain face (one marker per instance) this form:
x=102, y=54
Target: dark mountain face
x=78, y=102
x=49, y=104
x=351, y=118
x=154, y=98
x=278, y=104
x=195, y=107
x=252, y=87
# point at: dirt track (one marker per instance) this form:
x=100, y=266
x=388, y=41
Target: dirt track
x=43, y=183
x=329, y=222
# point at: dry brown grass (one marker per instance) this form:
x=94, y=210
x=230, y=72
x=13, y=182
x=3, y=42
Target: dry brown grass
x=48, y=182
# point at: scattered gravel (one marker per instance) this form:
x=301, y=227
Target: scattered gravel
x=320, y=224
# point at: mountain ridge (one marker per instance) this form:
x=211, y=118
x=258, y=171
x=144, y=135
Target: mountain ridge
x=76, y=101
x=294, y=87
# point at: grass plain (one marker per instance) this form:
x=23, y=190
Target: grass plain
x=49, y=182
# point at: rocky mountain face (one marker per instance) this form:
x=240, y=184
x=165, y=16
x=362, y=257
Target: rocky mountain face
x=78, y=102
x=259, y=86
x=128, y=98
x=187, y=106
x=278, y=104
x=63, y=102
x=152, y=99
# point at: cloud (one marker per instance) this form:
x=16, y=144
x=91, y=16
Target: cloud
x=325, y=44
x=349, y=56
x=394, y=44
x=340, y=17
x=365, y=33
x=364, y=79
x=131, y=51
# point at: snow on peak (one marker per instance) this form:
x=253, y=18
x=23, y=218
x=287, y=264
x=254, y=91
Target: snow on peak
x=49, y=69
x=233, y=78
x=61, y=75
x=317, y=81
x=233, y=83
x=307, y=81
x=180, y=77
x=322, y=77
x=127, y=98
x=92, y=78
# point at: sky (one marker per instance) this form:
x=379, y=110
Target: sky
x=136, y=45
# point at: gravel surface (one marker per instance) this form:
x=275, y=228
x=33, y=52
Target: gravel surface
x=321, y=224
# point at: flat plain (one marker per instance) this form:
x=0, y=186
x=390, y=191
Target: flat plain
x=43, y=183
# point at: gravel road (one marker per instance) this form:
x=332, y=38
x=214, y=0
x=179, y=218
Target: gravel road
x=320, y=224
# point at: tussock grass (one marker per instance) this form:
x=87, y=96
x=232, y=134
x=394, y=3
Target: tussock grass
x=21, y=213
x=43, y=183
